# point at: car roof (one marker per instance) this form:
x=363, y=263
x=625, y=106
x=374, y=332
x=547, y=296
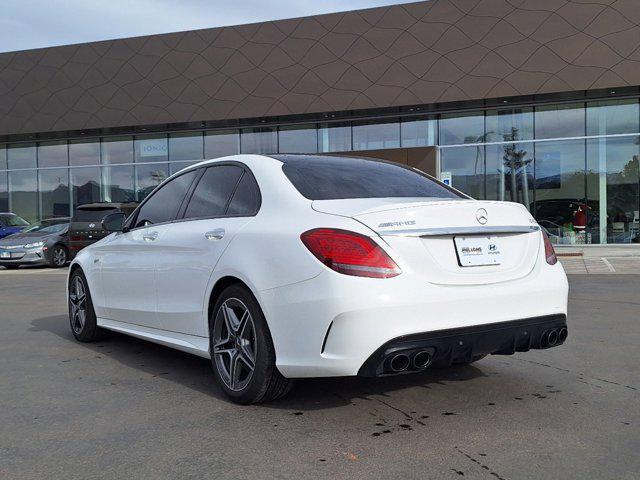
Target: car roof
x=324, y=158
x=56, y=219
x=105, y=205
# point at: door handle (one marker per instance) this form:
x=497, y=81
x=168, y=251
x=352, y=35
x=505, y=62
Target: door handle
x=216, y=234
x=150, y=237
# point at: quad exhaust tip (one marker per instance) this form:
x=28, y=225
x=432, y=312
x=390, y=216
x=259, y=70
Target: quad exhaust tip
x=562, y=334
x=399, y=362
x=553, y=337
x=422, y=359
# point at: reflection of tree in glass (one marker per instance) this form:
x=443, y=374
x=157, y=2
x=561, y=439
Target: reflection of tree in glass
x=515, y=164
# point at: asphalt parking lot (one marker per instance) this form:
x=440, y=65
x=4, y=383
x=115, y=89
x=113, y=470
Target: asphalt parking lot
x=124, y=408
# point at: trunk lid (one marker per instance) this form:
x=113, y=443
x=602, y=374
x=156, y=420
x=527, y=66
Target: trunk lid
x=428, y=236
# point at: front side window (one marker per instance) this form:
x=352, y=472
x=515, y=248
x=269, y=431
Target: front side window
x=163, y=205
x=211, y=196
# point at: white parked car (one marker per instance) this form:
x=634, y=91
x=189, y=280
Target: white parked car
x=286, y=266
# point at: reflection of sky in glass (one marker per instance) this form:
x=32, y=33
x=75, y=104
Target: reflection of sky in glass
x=186, y=146
x=557, y=121
x=117, y=150
x=461, y=128
x=608, y=118
x=84, y=152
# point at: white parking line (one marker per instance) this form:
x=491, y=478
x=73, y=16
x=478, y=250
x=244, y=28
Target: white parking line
x=608, y=264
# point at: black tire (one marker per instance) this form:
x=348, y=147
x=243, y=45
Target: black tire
x=86, y=330
x=59, y=256
x=11, y=267
x=264, y=383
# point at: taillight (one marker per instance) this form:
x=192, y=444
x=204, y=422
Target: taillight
x=349, y=253
x=549, y=252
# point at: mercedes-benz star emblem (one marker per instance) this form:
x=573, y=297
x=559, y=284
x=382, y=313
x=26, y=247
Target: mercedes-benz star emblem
x=482, y=216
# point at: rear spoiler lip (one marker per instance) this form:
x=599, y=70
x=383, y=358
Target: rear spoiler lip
x=447, y=231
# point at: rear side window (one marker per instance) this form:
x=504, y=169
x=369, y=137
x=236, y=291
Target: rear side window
x=332, y=178
x=162, y=205
x=246, y=199
x=211, y=196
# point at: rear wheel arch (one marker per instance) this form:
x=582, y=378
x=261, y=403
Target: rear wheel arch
x=219, y=287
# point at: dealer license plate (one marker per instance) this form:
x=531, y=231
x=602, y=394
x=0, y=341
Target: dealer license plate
x=478, y=251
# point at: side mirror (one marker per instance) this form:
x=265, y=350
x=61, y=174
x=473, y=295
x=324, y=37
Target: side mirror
x=114, y=222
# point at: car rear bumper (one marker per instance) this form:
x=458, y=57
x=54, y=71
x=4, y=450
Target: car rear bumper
x=463, y=345
x=333, y=324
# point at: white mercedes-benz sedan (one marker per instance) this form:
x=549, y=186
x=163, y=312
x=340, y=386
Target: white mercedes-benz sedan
x=287, y=266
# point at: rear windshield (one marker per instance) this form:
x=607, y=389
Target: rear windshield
x=333, y=178
x=93, y=214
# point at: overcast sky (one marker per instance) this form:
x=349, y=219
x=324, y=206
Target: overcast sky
x=26, y=24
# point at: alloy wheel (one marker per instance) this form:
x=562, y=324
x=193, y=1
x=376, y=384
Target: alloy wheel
x=78, y=304
x=234, y=344
x=59, y=257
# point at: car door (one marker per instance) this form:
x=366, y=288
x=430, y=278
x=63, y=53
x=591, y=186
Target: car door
x=225, y=199
x=128, y=260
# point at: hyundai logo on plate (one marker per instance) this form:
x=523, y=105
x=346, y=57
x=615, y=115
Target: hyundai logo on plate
x=482, y=216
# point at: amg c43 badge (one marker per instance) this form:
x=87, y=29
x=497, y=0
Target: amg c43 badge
x=397, y=224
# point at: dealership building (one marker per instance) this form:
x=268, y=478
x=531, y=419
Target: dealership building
x=531, y=101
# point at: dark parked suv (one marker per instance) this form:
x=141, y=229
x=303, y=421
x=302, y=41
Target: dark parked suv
x=86, y=224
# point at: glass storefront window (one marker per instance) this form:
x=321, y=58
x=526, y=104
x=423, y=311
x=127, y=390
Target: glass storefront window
x=510, y=173
x=53, y=154
x=334, y=137
x=4, y=192
x=613, y=117
x=117, y=184
x=298, y=139
x=23, y=192
x=116, y=150
x=3, y=158
x=376, y=134
x=85, y=185
x=151, y=148
x=22, y=156
x=220, y=143
x=149, y=177
x=466, y=167
x=84, y=152
x=259, y=140
x=418, y=132
x=613, y=189
x=186, y=146
x=560, y=190
x=509, y=124
x=458, y=128
x=557, y=121
x=54, y=192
